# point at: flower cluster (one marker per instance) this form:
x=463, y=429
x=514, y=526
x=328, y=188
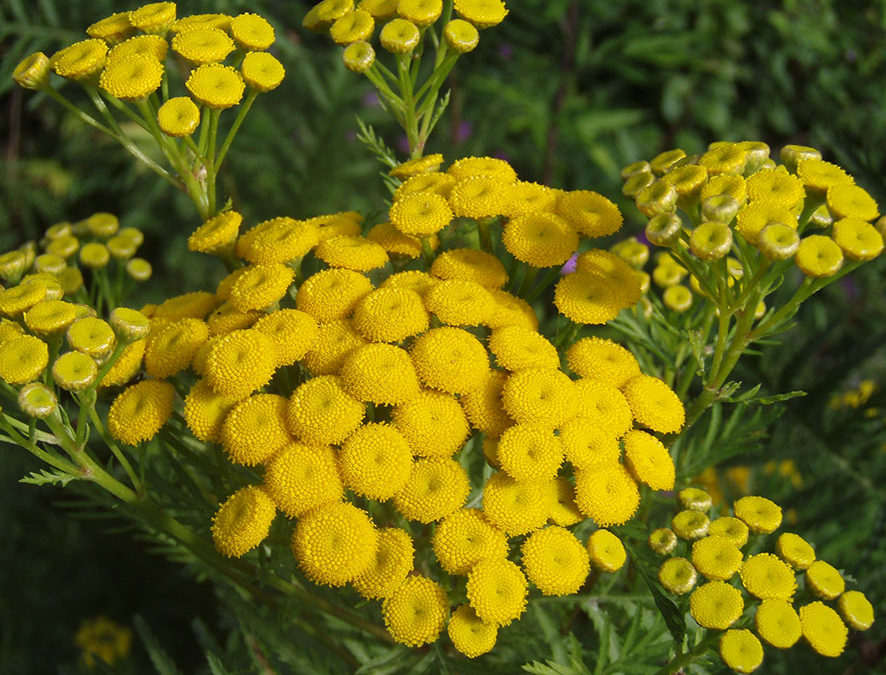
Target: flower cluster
x=781, y=593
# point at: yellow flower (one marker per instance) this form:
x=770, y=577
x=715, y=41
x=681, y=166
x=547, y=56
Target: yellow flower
x=335, y=340
x=450, y=359
x=471, y=635
x=555, y=561
x=663, y=161
x=292, y=332
x=91, y=336
x=416, y=612
x=479, y=197
x=677, y=575
x=818, y=175
x=758, y=513
x=711, y=240
x=458, y=302
x=224, y=320
x=730, y=528
x=380, y=373
x=590, y=213
x=818, y=256
x=255, y=428
x=322, y=412
x=205, y=411
x=687, y=179
x=380, y=9
x=765, y=576
x=399, y=36
x=301, y=478
x=243, y=521
x=464, y=538
x=690, y=524
x=607, y=494
x=470, y=265
x=656, y=199
x=726, y=158
x=139, y=269
x=420, y=213
x=727, y=184
x=358, y=57
x=461, y=36
x=778, y=623
x=155, y=17
x=716, y=605
x=857, y=239
x=587, y=445
x=601, y=359
x=606, y=551
x=540, y=239
x=654, y=404
x=588, y=298
x=396, y=243
x=497, y=591
x=32, y=72
x=823, y=629
x=649, y=461
x=824, y=580
x=526, y=197
x=196, y=21
x=756, y=216
x=113, y=28
x=261, y=71
x=334, y=543
x=856, y=609
x=203, y=45
x=74, y=371
x=421, y=12
x=776, y=185
x=677, y=297
x=252, y=32
x=431, y=182
x=152, y=46
x=716, y=557
x=260, y=286
x=80, y=60
x=393, y=561
x=516, y=347
x=180, y=117
x=530, y=452
x=49, y=317
x=795, y=551
x=375, y=461
x=173, y=347
x=433, y=423
x=194, y=305
x=541, y=396
x=390, y=315
x=511, y=311
x=215, y=85
x=240, y=362
x=662, y=540
x=851, y=201
x=515, y=507
x=741, y=650
x=436, y=487
x=37, y=400
x=482, y=13
x=127, y=366
x=491, y=167
x=332, y=294
x=483, y=406
x=137, y=413
x=418, y=166
x=103, y=639
x=355, y=26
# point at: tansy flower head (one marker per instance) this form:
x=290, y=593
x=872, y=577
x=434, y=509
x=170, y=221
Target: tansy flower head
x=355, y=26
x=203, y=45
x=127, y=365
x=606, y=551
x=608, y=494
x=252, y=32
x=461, y=36
x=654, y=404
x=332, y=294
x=824, y=580
x=741, y=650
x=399, y=36
x=479, y=197
x=450, y=359
x=260, y=286
x=393, y=561
x=818, y=256
x=262, y=71
x=436, y=487
x=416, y=612
x=511, y=311
x=726, y=158
x=515, y=507
x=818, y=175
x=687, y=180
x=322, y=412
x=716, y=557
x=586, y=445
x=765, y=576
x=334, y=543
x=358, y=57
x=778, y=241
x=777, y=623
x=776, y=185
x=756, y=216
x=91, y=336
x=172, y=349
x=80, y=60
x=730, y=528
x=526, y=197
x=139, y=269
x=590, y=213
x=471, y=635
x=823, y=629
x=516, y=347
x=15, y=300
x=666, y=160
x=711, y=240
x=851, y=201
x=858, y=239
x=421, y=213
x=695, y=499
x=497, y=591
x=604, y=406
x=541, y=396
x=491, y=167
x=74, y=371
x=758, y=513
x=856, y=610
x=563, y=510
x=470, y=265
x=152, y=46
x=49, y=317
x=677, y=298
x=375, y=461
x=433, y=423
x=255, y=428
x=716, y=605
x=464, y=538
x=390, y=315
x=431, y=182
x=194, y=305
x=137, y=414
x=656, y=198
x=418, y=166
x=243, y=521
x=113, y=28
x=482, y=13
x=292, y=332
x=179, y=117
x=457, y=302
x=649, y=461
x=380, y=373
x=300, y=478
x=396, y=243
x=240, y=362
x=540, y=239
x=662, y=540
x=530, y=452
x=220, y=230
x=586, y=297
x=794, y=550
x=215, y=85
x=677, y=575
x=155, y=17
x=335, y=340
x=345, y=223
x=727, y=184
x=690, y=524
x=35, y=399
x=555, y=561
x=205, y=411
x=483, y=406
x=32, y=72
x=421, y=12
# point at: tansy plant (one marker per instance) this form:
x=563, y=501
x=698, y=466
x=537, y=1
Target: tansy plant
x=381, y=432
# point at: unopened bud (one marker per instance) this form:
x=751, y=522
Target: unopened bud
x=664, y=229
x=778, y=241
x=37, y=400
x=711, y=240
x=461, y=36
x=660, y=197
x=662, y=162
x=32, y=72
x=719, y=207
x=358, y=57
x=662, y=541
x=791, y=155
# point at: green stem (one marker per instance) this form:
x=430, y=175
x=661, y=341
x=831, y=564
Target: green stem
x=115, y=449
x=552, y=275
x=685, y=658
x=211, y=170
x=241, y=115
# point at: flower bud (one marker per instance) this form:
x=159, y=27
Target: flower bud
x=64, y=247
x=461, y=36
x=687, y=180
x=791, y=155
x=94, y=255
x=121, y=248
x=358, y=57
x=71, y=280
x=677, y=298
x=695, y=499
x=635, y=167
x=660, y=197
x=757, y=154
x=74, y=371
x=778, y=241
x=662, y=162
x=32, y=72
x=711, y=240
x=102, y=224
x=12, y=264
x=690, y=524
x=677, y=575
x=129, y=324
x=719, y=207
x=139, y=269
x=636, y=182
x=50, y=264
x=399, y=36
x=662, y=541
x=664, y=229
x=37, y=400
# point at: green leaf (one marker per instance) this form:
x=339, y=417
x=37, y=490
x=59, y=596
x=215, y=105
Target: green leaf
x=669, y=611
x=777, y=398
x=162, y=662
x=697, y=344
x=215, y=664
x=44, y=477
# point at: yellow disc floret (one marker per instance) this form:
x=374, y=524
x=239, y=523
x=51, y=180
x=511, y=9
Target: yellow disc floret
x=716, y=605
x=243, y=521
x=497, y=591
x=321, y=411
x=555, y=561
x=416, y=612
x=137, y=413
x=300, y=478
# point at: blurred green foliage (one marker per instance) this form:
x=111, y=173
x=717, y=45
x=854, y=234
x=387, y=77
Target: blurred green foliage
x=568, y=91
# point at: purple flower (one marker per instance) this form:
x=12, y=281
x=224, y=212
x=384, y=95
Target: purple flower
x=464, y=131
x=569, y=265
x=370, y=100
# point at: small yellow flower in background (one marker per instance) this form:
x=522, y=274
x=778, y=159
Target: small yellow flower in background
x=139, y=269
x=482, y=13
x=416, y=612
x=741, y=650
x=823, y=629
x=80, y=60
x=252, y=32
x=399, y=36
x=758, y=513
x=103, y=639
x=243, y=521
x=94, y=255
x=203, y=45
x=677, y=575
x=677, y=298
x=132, y=78
x=262, y=71
x=216, y=86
